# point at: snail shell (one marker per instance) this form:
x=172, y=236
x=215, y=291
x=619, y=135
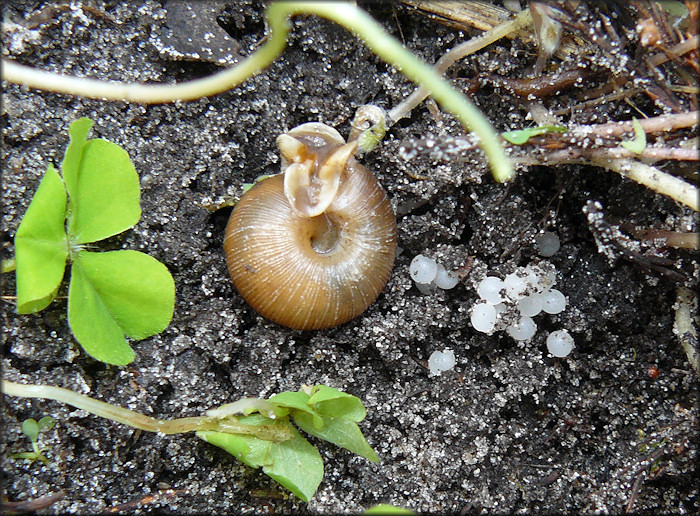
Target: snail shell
x=313, y=247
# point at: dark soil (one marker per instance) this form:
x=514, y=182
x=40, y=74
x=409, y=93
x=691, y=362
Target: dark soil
x=509, y=429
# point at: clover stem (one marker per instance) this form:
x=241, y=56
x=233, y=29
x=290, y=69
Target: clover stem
x=138, y=420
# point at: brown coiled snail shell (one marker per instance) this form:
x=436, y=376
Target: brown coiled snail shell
x=313, y=247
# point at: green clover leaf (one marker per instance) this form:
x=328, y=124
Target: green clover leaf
x=112, y=295
x=41, y=247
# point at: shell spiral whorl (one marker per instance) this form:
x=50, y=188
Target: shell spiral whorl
x=313, y=247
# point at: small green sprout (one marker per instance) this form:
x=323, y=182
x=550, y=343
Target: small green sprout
x=256, y=431
x=522, y=136
x=640, y=139
x=31, y=428
x=111, y=294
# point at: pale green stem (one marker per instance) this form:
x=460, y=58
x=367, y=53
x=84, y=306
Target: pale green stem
x=155, y=93
x=138, y=420
x=346, y=15
x=460, y=51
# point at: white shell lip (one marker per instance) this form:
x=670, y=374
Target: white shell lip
x=318, y=128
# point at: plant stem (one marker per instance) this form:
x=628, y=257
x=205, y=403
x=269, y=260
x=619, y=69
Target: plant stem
x=654, y=179
x=460, y=51
x=140, y=421
x=657, y=124
x=347, y=15
x=684, y=325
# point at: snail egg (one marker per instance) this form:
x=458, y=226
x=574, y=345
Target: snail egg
x=515, y=286
x=531, y=305
x=547, y=243
x=444, y=279
x=554, y=301
x=524, y=329
x=440, y=361
x=560, y=343
x=426, y=288
x=490, y=290
x=423, y=269
x=483, y=317
x=500, y=308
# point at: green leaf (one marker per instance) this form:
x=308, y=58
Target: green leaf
x=41, y=248
x=322, y=393
x=294, y=464
x=104, y=200
x=30, y=428
x=522, y=136
x=339, y=431
x=117, y=293
x=256, y=425
x=46, y=423
x=248, y=449
x=640, y=139
x=337, y=403
x=384, y=508
x=70, y=167
x=93, y=325
x=8, y=265
x=138, y=290
x=298, y=401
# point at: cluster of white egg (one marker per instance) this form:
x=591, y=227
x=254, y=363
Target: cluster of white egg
x=428, y=274
x=506, y=304
x=511, y=303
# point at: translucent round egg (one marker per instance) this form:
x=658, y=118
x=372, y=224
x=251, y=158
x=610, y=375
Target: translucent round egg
x=445, y=279
x=560, y=343
x=423, y=269
x=483, y=317
x=547, y=243
x=515, y=286
x=554, y=301
x=440, y=361
x=524, y=329
x=500, y=308
x=426, y=288
x=531, y=305
x=489, y=289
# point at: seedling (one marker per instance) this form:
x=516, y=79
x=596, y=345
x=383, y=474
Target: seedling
x=31, y=428
x=111, y=294
x=522, y=136
x=258, y=432
x=640, y=139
